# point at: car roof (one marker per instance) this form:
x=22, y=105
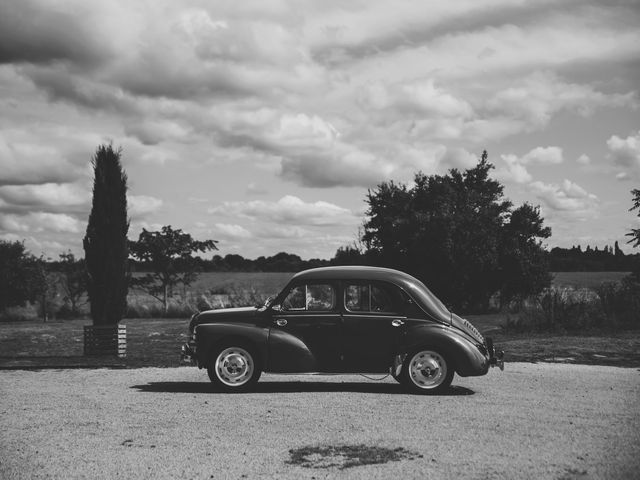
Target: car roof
x=414, y=287
x=353, y=272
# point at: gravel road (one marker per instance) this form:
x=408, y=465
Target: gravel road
x=530, y=421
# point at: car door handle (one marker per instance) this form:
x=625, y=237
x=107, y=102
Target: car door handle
x=281, y=322
x=397, y=322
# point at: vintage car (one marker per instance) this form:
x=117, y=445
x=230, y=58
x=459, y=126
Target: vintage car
x=341, y=320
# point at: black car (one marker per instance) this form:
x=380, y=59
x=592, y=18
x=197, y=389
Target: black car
x=342, y=320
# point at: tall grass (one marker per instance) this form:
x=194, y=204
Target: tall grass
x=611, y=306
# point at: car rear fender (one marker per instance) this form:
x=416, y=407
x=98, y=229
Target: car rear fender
x=209, y=337
x=466, y=357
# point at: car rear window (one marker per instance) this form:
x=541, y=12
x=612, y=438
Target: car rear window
x=369, y=298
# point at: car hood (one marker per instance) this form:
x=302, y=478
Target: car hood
x=226, y=315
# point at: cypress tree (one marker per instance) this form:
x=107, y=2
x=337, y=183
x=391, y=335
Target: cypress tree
x=105, y=243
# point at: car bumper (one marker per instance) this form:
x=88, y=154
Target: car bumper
x=496, y=357
x=188, y=354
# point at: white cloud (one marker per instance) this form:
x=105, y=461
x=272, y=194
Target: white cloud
x=625, y=154
x=23, y=161
x=141, y=205
x=288, y=210
x=543, y=156
x=512, y=171
x=567, y=197
x=46, y=196
x=543, y=94
x=232, y=231
x=584, y=159
x=513, y=168
x=459, y=158
x=41, y=222
x=416, y=97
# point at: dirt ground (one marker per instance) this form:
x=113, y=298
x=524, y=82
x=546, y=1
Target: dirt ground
x=542, y=421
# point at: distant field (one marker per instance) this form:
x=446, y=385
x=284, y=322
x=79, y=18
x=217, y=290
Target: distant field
x=586, y=279
x=225, y=282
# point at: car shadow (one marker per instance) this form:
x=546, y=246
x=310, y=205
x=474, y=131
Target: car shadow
x=294, y=387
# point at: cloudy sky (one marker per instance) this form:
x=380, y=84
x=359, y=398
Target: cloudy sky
x=263, y=123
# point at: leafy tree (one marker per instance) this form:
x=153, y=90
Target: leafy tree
x=349, y=255
x=635, y=232
x=105, y=243
x=73, y=281
x=458, y=234
x=22, y=277
x=169, y=254
x=524, y=264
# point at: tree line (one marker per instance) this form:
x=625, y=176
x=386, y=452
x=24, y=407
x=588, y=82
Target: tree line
x=607, y=259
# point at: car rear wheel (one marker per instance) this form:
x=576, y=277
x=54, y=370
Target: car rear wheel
x=427, y=371
x=234, y=369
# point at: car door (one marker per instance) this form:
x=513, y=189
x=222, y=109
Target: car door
x=310, y=314
x=372, y=325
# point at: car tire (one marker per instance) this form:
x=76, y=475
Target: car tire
x=234, y=368
x=427, y=371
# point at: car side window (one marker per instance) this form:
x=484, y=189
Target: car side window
x=369, y=298
x=311, y=297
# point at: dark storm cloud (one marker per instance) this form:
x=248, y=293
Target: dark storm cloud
x=41, y=32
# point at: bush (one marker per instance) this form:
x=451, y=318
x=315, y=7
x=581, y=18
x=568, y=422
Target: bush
x=620, y=302
x=611, y=306
x=246, y=298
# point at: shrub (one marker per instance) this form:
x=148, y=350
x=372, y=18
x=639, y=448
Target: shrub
x=611, y=306
x=620, y=302
x=246, y=298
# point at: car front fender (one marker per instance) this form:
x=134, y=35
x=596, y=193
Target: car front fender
x=210, y=336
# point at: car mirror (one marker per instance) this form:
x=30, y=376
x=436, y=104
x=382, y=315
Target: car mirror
x=276, y=308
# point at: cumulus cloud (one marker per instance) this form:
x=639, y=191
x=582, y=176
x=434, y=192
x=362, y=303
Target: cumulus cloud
x=38, y=222
x=30, y=163
x=625, y=154
x=584, y=159
x=231, y=231
x=566, y=197
x=459, y=158
x=288, y=210
x=543, y=156
x=45, y=197
x=416, y=97
x=543, y=94
x=512, y=170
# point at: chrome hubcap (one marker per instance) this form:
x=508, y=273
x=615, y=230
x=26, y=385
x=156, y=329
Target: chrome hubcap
x=427, y=369
x=234, y=366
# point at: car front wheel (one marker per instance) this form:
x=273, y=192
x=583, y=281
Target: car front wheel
x=234, y=369
x=427, y=371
